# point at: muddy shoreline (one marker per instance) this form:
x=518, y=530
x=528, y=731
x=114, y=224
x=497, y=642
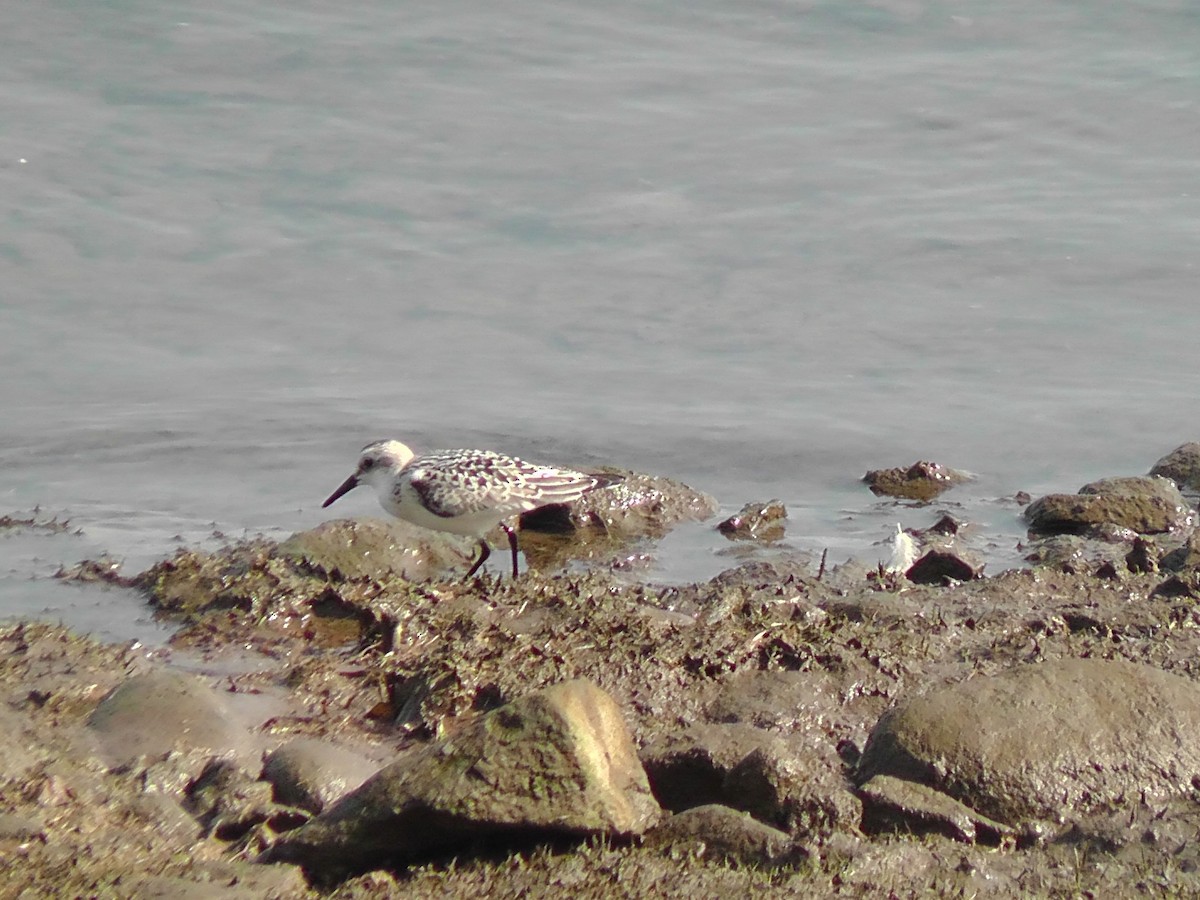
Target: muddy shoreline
x=785, y=728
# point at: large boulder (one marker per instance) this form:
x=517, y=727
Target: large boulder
x=1146, y=505
x=1052, y=741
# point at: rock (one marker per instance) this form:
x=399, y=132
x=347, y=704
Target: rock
x=756, y=522
x=920, y=481
x=775, y=699
x=555, y=762
x=1145, y=505
x=637, y=506
x=890, y=802
x=801, y=790
x=943, y=567
x=17, y=743
x=1049, y=741
x=1182, y=466
x=1072, y=553
x=312, y=774
x=228, y=880
x=1143, y=558
x=947, y=525
x=688, y=768
x=1185, y=558
x=795, y=786
x=1187, y=585
x=599, y=525
x=374, y=548
x=153, y=714
x=227, y=801
x=718, y=832
x=15, y=827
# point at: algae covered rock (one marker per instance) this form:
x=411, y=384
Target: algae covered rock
x=555, y=762
x=920, y=481
x=1143, y=504
x=639, y=505
x=756, y=522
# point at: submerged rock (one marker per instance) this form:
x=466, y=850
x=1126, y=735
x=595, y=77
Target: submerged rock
x=639, y=505
x=555, y=762
x=1053, y=741
x=756, y=522
x=920, y=481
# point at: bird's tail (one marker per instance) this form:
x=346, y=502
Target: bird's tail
x=605, y=479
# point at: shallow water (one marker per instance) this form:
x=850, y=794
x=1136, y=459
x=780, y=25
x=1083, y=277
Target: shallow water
x=760, y=247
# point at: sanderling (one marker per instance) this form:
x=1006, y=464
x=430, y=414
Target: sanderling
x=465, y=492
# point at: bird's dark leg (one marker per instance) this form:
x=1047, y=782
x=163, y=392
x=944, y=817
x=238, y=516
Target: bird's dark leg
x=484, y=552
x=512, y=542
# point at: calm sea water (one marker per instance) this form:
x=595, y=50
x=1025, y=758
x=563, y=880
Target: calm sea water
x=757, y=246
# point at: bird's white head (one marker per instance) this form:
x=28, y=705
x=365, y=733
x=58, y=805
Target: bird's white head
x=377, y=466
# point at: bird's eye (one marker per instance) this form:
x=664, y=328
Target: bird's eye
x=366, y=464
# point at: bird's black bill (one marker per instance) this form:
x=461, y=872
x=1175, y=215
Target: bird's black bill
x=348, y=485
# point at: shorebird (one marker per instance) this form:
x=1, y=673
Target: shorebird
x=465, y=492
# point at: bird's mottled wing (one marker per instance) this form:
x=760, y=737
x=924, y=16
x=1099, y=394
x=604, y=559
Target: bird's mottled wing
x=460, y=482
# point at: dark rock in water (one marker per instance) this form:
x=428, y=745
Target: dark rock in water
x=312, y=774
x=756, y=522
x=1050, y=741
x=912, y=807
x=943, y=567
x=718, y=832
x=946, y=525
x=601, y=523
x=637, y=506
x=1182, y=466
x=558, y=762
x=920, y=481
x=1146, y=505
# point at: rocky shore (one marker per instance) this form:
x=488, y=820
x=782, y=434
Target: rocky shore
x=361, y=725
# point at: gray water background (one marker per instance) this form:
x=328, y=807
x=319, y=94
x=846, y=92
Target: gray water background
x=757, y=246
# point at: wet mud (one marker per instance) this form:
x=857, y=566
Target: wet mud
x=338, y=715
